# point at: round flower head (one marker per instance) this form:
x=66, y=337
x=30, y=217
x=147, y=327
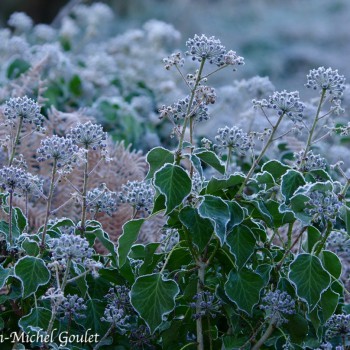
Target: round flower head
x=70, y=246
x=57, y=148
x=88, y=135
x=101, y=200
x=309, y=162
x=179, y=110
x=208, y=304
x=174, y=59
x=277, y=303
x=13, y=179
x=139, y=195
x=326, y=79
x=26, y=109
x=338, y=325
x=284, y=102
x=233, y=138
x=20, y=21
x=72, y=306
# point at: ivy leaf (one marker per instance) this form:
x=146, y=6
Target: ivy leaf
x=216, y=185
x=275, y=168
x=197, y=165
x=174, y=183
x=298, y=203
x=153, y=297
x=243, y=288
x=94, y=310
x=156, y=158
x=33, y=273
x=30, y=247
x=131, y=230
x=218, y=212
x=312, y=237
x=200, y=228
x=291, y=181
x=38, y=317
x=309, y=277
x=329, y=302
x=237, y=214
x=331, y=263
x=210, y=158
x=297, y=328
x=4, y=275
x=241, y=242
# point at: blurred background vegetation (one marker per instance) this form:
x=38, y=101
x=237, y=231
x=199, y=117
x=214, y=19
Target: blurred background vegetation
x=280, y=39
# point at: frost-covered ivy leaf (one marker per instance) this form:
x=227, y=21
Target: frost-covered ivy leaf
x=197, y=165
x=331, y=263
x=33, y=273
x=216, y=185
x=156, y=158
x=237, y=214
x=291, y=181
x=312, y=237
x=200, y=228
x=265, y=179
x=298, y=203
x=243, y=288
x=275, y=168
x=309, y=278
x=38, y=317
x=131, y=230
x=30, y=247
x=174, y=183
x=4, y=274
x=241, y=242
x=218, y=212
x=297, y=328
x=153, y=297
x=329, y=302
x=210, y=158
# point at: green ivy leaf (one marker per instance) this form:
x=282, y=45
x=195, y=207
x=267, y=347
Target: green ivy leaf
x=243, y=288
x=131, y=230
x=313, y=236
x=4, y=275
x=174, y=183
x=297, y=328
x=237, y=214
x=156, y=158
x=241, y=242
x=38, y=317
x=218, y=212
x=200, y=229
x=216, y=185
x=298, y=203
x=329, y=302
x=210, y=158
x=153, y=297
x=17, y=67
x=275, y=168
x=331, y=263
x=33, y=273
x=94, y=311
x=309, y=278
x=291, y=181
x=197, y=164
x=75, y=86
x=30, y=247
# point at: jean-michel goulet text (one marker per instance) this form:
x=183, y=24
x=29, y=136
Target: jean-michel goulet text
x=63, y=338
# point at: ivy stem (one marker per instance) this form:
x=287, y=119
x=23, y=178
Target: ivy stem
x=10, y=214
x=48, y=204
x=324, y=239
x=199, y=324
x=271, y=327
x=312, y=130
x=18, y=132
x=85, y=184
x=100, y=343
x=188, y=115
x=262, y=153
x=228, y=160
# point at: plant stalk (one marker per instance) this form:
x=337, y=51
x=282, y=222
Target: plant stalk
x=17, y=137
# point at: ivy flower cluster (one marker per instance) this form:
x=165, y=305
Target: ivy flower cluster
x=72, y=306
x=118, y=309
x=88, y=135
x=175, y=59
x=324, y=206
x=24, y=108
x=140, y=338
x=70, y=247
x=326, y=79
x=139, y=194
x=339, y=242
x=60, y=149
x=203, y=48
x=101, y=200
x=13, y=179
x=169, y=239
x=338, y=325
x=308, y=162
x=208, y=304
x=205, y=94
x=285, y=103
x=277, y=303
x=233, y=138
